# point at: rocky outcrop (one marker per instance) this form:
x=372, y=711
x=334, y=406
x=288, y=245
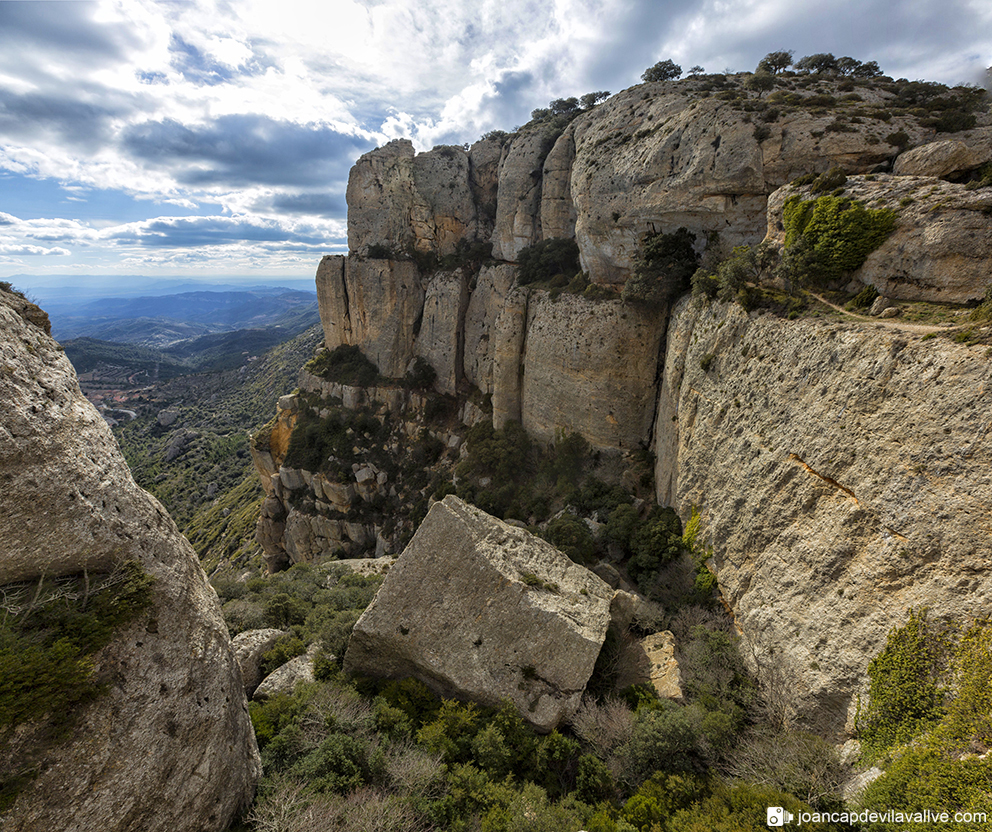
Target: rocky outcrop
x=842, y=474
x=749, y=416
x=940, y=249
x=283, y=680
x=374, y=304
x=169, y=745
x=651, y=660
x=249, y=647
x=425, y=202
x=479, y=609
x=440, y=341
x=947, y=158
x=603, y=354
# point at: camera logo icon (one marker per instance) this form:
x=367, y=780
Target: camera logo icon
x=777, y=816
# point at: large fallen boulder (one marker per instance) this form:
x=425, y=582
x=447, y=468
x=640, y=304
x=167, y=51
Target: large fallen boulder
x=481, y=610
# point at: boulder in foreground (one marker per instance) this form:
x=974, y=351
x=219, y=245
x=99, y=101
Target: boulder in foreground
x=481, y=610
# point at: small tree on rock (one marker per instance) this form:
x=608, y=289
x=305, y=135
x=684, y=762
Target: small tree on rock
x=775, y=62
x=591, y=99
x=666, y=70
x=821, y=62
x=760, y=82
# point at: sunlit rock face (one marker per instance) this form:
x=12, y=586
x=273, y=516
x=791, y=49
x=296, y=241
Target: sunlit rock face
x=169, y=745
x=482, y=610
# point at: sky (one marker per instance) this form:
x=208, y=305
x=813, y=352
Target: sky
x=215, y=137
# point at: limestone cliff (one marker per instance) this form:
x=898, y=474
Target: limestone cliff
x=842, y=473
x=840, y=466
x=655, y=157
x=168, y=745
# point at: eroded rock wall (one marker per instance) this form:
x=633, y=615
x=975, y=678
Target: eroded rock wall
x=842, y=474
x=169, y=745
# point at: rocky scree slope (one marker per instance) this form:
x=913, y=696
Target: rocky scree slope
x=167, y=745
x=811, y=449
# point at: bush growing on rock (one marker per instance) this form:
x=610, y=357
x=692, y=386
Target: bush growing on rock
x=662, y=267
x=836, y=233
x=546, y=259
x=345, y=364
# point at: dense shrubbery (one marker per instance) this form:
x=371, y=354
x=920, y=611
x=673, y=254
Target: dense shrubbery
x=313, y=604
x=836, y=233
x=328, y=444
x=344, y=364
x=929, y=712
x=662, y=267
x=547, y=259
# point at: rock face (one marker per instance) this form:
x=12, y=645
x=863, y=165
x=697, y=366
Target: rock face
x=949, y=158
x=169, y=746
x=479, y=609
x=249, y=647
x=653, y=158
x=813, y=448
x=941, y=248
x=842, y=474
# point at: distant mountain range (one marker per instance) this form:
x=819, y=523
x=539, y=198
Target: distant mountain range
x=170, y=319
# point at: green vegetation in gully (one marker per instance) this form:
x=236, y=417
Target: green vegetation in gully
x=200, y=466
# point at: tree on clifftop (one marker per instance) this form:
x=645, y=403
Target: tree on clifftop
x=666, y=70
x=775, y=62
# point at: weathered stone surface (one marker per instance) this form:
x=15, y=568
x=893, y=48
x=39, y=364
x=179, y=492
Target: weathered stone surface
x=169, y=746
x=652, y=158
x=482, y=610
x=249, y=647
x=285, y=679
x=591, y=367
x=558, y=213
x=509, y=333
x=651, y=660
x=942, y=244
x=948, y=157
x=484, y=158
x=518, y=205
x=842, y=475
x=484, y=306
x=381, y=195
x=443, y=210
x=440, y=341
x=374, y=304
x=852, y=788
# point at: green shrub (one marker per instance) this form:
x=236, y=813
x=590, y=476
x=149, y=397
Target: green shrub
x=656, y=542
x=837, y=234
x=346, y=365
x=663, y=739
x=287, y=647
x=546, y=259
x=46, y=646
x=421, y=376
x=571, y=535
x=865, y=298
x=662, y=268
x=924, y=777
x=904, y=697
x=662, y=795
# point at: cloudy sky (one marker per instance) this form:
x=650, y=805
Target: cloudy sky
x=214, y=137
